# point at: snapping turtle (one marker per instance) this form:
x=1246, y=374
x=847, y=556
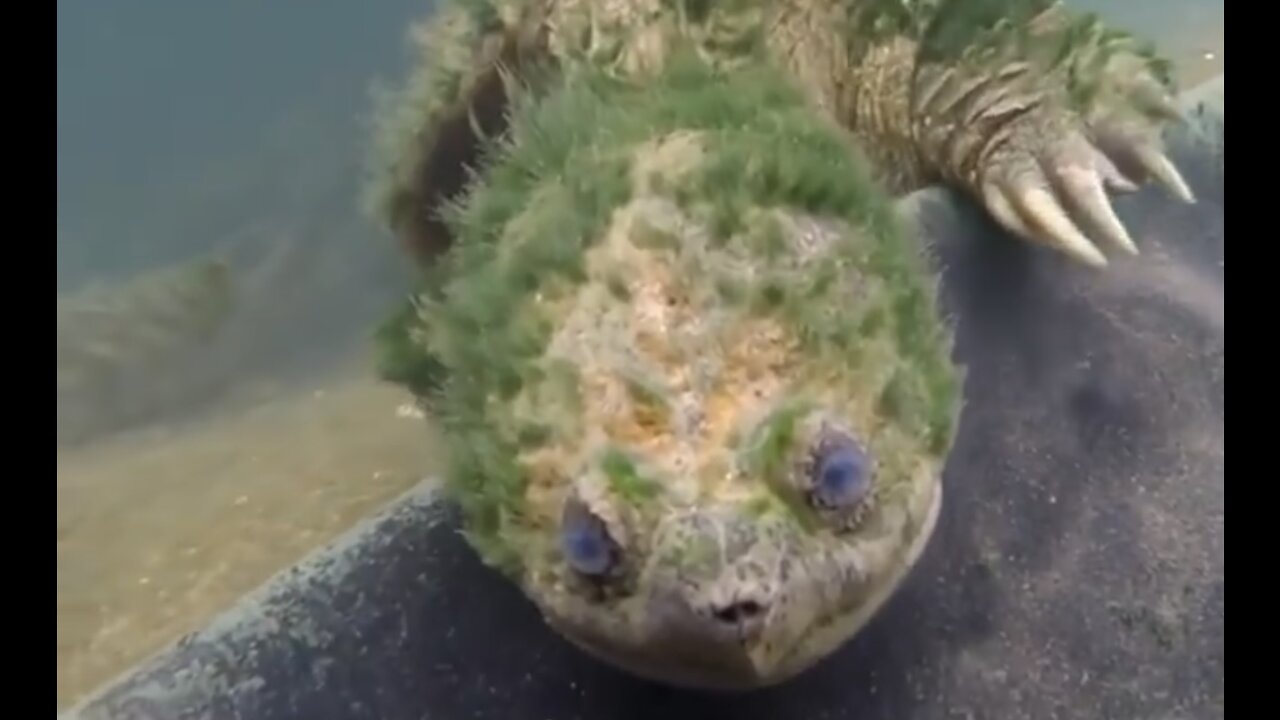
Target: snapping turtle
x=688, y=363
x=1077, y=568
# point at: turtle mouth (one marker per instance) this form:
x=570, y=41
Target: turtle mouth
x=732, y=648
x=720, y=667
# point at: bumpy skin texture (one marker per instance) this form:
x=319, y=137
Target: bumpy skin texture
x=696, y=393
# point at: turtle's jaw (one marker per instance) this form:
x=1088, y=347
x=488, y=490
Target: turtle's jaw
x=723, y=633
x=730, y=673
x=698, y=659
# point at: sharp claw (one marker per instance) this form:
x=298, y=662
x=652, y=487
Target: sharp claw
x=1000, y=207
x=1085, y=189
x=1119, y=183
x=1037, y=204
x=1111, y=175
x=1156, y=163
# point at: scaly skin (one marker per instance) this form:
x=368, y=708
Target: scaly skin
x=697, y=396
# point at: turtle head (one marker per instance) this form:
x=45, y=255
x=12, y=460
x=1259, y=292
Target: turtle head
x=697, y=399
x=736, y=590
x=721, y=496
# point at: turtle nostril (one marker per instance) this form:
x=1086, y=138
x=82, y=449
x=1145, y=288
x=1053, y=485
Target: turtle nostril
x=738, y=613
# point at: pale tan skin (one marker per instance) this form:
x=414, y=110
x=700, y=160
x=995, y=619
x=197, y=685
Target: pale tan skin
x=763, y=599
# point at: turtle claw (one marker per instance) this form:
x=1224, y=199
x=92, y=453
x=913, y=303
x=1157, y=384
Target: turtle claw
x=1043, y=138
x=1057, y=195
x=1053, y=163
x=1066, y=239
x=1085, y=190
x=1163, y=170
x=1030, y=189
x=1054, y=227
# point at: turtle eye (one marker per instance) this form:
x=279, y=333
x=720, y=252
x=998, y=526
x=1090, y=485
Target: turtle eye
x=585, y=541
x=840, y=473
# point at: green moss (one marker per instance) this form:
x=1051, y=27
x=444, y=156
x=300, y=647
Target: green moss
x=773, y=445
x=769, y=455
x=648, y=237
x=764, y=505
x=532, y=435
x=943, y=388
x=957, y=27
x=403, y=361
x=767, y=296
x=690, y=10
x=545, y=189
x=405, y=120
x=1079, y=45
x=727, y=215
x=545, y=193
x=563, y=382
x=482, y=13
x=788, y=158
x=731, y=290
x=625, y=479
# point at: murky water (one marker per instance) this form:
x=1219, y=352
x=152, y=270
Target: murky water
x=233, y=132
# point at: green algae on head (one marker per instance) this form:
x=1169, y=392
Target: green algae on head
x=696, y=396
x=696, y=393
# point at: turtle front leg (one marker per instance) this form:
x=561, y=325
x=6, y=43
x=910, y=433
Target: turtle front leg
x=1038, y=112
x=1034, y=110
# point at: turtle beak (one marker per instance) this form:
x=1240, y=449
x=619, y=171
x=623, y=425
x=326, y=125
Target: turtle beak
x=712, y=605
x=684, y=641
x=715, y=645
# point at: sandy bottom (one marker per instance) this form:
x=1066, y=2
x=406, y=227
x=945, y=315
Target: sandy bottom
x=159, y=531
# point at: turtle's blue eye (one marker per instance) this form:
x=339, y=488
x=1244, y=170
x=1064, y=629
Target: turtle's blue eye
x=841, y=473
x=585, y=541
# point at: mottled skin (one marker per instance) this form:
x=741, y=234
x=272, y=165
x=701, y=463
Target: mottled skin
x=696, y=393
